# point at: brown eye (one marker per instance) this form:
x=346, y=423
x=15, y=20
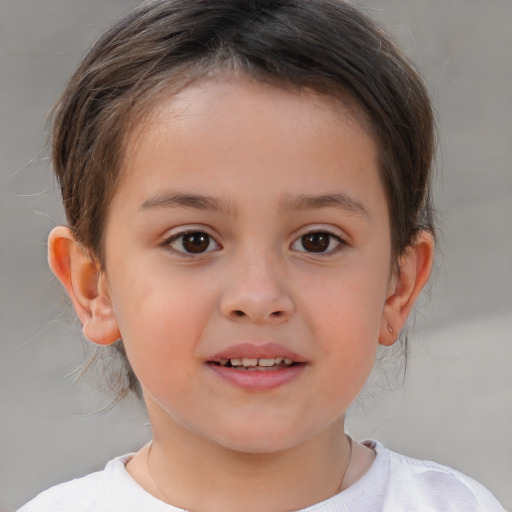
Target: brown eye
x=318, y=242
x=195, y=242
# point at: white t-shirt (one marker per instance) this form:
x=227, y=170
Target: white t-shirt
x=394, y=483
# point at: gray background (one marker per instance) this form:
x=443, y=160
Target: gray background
x=455, y=405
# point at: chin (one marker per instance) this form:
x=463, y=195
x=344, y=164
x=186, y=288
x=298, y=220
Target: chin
x=262, y=439
x=258, y=446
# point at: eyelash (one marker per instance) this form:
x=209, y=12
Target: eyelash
x=168, y=243
x=322, y=233
x=182, y=234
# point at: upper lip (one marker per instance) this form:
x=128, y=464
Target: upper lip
x=257, y=351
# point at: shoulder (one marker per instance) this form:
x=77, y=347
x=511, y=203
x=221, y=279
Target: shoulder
x=411, y=482
x=395, y=483
x=110, y=490
x=82, y=494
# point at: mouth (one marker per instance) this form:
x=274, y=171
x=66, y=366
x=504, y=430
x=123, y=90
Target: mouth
x=261, y=364
x=258, y=365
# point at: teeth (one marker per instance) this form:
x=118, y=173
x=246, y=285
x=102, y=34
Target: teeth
x=249, y=362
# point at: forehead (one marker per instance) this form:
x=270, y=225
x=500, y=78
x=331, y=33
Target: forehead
x=239, y=129
x=221, y=93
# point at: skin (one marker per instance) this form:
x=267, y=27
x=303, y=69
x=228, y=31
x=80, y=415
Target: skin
x=255, y=149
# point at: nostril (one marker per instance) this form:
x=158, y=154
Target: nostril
x=258, y=315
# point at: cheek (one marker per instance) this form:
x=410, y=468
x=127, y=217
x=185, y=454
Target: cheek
x=348, y=309
x=345, y=317
x=348, y=356
x=161, y=323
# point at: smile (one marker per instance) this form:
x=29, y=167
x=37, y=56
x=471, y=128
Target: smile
x=257, y=364
x=257, y=367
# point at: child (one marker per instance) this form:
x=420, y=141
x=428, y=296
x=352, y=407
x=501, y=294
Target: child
x=247, y=190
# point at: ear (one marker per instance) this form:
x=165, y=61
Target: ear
x=405, y=286
x=86, y=285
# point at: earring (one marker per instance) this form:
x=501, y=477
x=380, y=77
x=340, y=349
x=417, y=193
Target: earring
x=390, y=329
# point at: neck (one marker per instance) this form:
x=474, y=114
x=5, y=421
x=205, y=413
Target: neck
x=189, y=471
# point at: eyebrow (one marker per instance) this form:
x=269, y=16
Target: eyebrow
x=315, y=202
x=292, y=203
x=192, y=201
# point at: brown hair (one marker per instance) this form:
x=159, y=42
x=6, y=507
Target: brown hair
x=326, y=46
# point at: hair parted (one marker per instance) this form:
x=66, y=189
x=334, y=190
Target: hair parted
x=325, y=46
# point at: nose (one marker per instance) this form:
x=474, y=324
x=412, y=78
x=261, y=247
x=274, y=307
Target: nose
x=255, y=292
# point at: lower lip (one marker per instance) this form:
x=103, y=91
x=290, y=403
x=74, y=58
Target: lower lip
x=258, y=380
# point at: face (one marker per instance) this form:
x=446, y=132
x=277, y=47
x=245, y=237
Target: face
x=248, y=263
